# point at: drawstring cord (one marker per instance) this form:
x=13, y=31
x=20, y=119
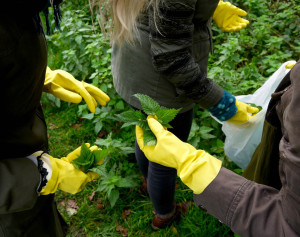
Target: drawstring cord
x=57, y=15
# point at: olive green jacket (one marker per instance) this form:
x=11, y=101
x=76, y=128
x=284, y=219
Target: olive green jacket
x=256, y=209
x=23, y=61
x=169, y=57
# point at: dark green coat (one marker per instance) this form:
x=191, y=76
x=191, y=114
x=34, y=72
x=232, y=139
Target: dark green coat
x=23, y=61
x=169, y=58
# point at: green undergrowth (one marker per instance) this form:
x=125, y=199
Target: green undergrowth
x=240, y=63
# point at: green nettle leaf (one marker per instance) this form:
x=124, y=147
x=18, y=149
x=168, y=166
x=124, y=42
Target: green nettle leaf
x=132, y=117
x=84, y=158
x=166, y=115
x=100, y=155
x=98, y=127
x=126, y=183
x=113, y=196
x=149, y=138
x=88, y=116
x=150, y=107
x=88, y=159
x=100, y=170
x=127, y=116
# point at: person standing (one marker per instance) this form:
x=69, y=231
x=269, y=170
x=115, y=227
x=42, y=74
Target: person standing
x=161, y=48
x=263, y=208
x=29, y=176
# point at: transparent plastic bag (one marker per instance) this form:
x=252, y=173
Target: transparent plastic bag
x=242, y=140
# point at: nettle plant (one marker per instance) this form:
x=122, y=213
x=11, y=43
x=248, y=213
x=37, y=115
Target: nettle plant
x=149, y=107
x=89, y=159
x=111, y=172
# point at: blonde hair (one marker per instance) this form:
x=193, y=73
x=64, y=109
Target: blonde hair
x=118, y=17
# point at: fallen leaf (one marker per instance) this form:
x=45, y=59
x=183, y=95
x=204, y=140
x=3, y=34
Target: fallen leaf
x=62, y=203
x=52, y=126
x=72, y=204
x=76, y=126
x=100, y=206
x=71, y=207
x=99, y=201
x=174, y=230
x=91, y=197
x=71, y=211
x=126, y=213
x=102, y=133
x=123, y=231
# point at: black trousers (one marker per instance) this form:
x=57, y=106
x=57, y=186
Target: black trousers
x=161, y=180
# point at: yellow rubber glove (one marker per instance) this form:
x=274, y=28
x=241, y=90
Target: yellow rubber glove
x=63, y=175
x=196, y=168
x=227, y=17
x=242, y=115
x=65, y=87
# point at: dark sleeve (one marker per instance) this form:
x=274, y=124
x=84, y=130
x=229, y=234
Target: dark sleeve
x=171, y=38
x=248, y=208
x=289, y=149
x=253, y=209
x=22, y=7
x=19, y=181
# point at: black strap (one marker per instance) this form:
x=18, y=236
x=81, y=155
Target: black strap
x=57, y=14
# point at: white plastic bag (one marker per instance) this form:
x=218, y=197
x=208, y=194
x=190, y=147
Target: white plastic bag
x=242, y=140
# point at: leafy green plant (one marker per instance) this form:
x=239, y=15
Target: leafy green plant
x=89, y=159
x=111, y=180
x=150, y=107
x=116, y=147
x=241, y=62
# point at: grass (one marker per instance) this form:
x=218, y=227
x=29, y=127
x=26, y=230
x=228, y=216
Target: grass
x=94, y=216
x=241, y=62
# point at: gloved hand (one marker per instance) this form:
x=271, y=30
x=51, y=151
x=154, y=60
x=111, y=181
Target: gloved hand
x=290, y=65
x=242, y=115
x=65, y=87
x=196, y=168
x=63, y=175
x=227, y=17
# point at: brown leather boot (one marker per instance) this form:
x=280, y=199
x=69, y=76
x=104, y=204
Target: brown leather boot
x=180, y=208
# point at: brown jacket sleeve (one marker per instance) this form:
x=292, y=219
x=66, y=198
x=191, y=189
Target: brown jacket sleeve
x=248, y=208
x=19, y=180
x=252, y=209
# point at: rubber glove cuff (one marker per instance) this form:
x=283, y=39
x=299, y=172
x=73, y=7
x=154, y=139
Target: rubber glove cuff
x=44, y=166
x=197, y=173
x=61, y=174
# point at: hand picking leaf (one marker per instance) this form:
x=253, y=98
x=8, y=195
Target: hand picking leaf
x=256, y=106
x=149, y=107
x=89, y=159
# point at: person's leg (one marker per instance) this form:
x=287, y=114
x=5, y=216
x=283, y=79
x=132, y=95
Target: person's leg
x=181, y=128
x=142, y=161
x=161, y=179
